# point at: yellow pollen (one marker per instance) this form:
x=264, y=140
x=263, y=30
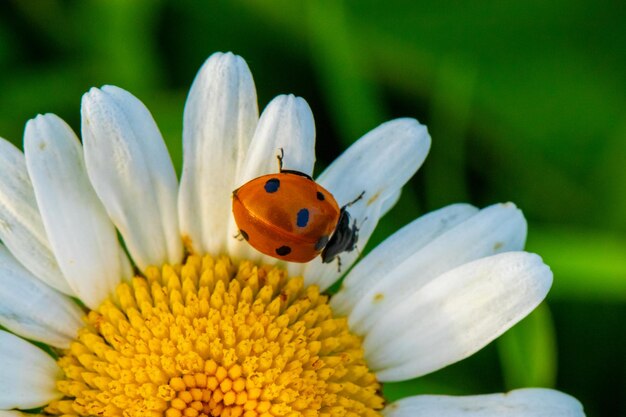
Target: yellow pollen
x=209, y=338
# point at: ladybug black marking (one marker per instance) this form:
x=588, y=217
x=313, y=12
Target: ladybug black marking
x=283, y=250
x=289, y=216
x=244, y=234
x=272, y=185
x=302, y=218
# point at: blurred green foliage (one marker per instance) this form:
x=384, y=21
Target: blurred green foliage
x=525, y=102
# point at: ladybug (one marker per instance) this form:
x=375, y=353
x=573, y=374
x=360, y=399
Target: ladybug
x=291, y=217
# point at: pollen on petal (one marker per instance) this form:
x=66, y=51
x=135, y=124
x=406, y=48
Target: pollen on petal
x=208, y=338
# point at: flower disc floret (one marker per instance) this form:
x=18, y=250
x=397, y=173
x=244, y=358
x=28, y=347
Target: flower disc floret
x=210, y=338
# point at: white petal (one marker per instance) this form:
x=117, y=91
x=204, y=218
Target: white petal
x=28, y=374
x=81, y=234
x=379, y=164
x=33, y=310
x=529, y=402
x=455, y=315
x=400, y=246
x=286, y=123
x=221, y=114
x=495, y=229
x=131, y=171
x=21, y=228
x=390, y=202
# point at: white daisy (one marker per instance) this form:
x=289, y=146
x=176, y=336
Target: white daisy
x=182, y=319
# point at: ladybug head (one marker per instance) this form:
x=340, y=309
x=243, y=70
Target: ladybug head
x=344, y=237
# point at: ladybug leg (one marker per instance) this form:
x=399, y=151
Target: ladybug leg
x=338, y=264
x=241, y=236
x=280, y=159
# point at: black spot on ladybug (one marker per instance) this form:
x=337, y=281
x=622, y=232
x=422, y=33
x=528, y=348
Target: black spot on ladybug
x=321, y=243
x=272, y=185
x=302, y=218
x=320, y=196
x=243, y=234
x=283, y=250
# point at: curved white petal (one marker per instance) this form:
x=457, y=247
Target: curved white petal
x=455, y=315
x=221, y=114
x=33, y=310
x=81, y=234
x=379, y=164
x=21, y=227
x=287, y=123
x=390, y=202
x=528, y=402
x=396, y=249
x=131, y=171
x=28, y=374
x=495, y=229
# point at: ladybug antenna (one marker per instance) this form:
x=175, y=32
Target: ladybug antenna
x=360, y=196
x=280, y=157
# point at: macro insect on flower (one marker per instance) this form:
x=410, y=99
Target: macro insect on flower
x=290, y=217
x=181, y=319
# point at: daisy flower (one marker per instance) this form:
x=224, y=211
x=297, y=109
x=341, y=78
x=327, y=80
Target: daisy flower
x=144, y=303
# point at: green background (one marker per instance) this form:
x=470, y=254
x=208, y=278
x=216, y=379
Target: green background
x=525, y=101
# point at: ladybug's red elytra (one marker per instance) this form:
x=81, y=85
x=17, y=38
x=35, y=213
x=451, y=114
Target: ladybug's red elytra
x=289, y=216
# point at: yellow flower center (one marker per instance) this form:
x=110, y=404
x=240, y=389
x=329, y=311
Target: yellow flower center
x=209, y=338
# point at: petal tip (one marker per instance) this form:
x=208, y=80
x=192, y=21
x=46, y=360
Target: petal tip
x=412, y=130
x=92, y=96
x=112, y=89
x=224, y=61
x=42, y=129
